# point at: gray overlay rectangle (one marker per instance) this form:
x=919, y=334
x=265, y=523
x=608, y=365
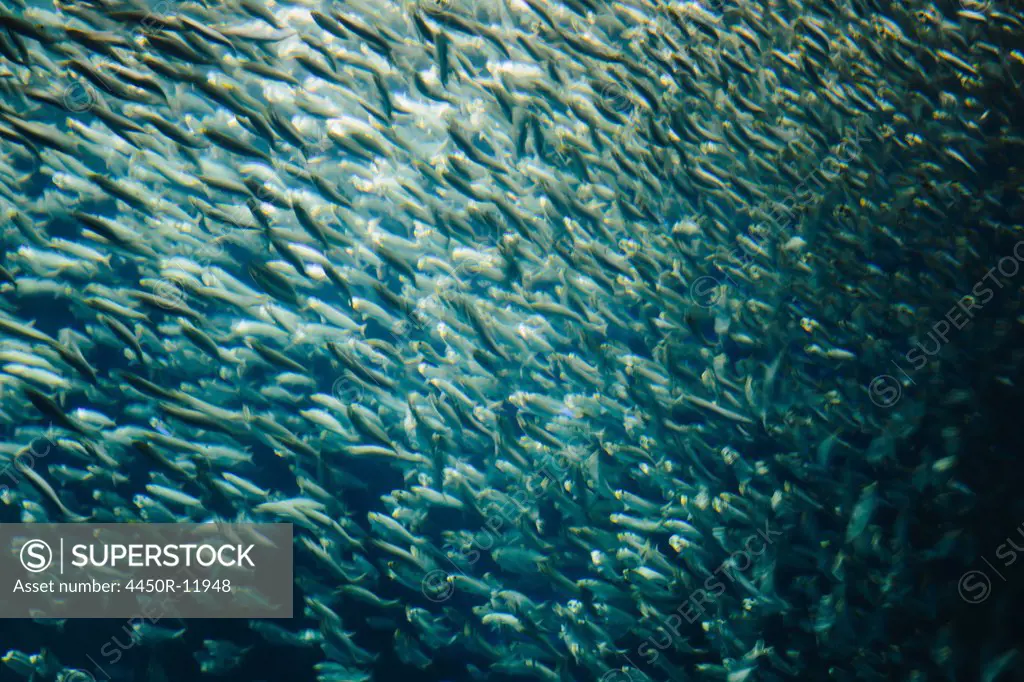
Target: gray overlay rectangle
x=160, y=570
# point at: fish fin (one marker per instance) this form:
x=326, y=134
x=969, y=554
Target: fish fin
x=562, y=670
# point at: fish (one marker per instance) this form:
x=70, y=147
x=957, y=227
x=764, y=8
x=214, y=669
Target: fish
x=44, y=488
x=576, y=340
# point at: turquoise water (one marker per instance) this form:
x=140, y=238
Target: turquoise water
x=553, y=315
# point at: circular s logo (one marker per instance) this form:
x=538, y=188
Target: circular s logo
x=436, y=586
x=974, y=587
x=36, y=556
x=885, y=390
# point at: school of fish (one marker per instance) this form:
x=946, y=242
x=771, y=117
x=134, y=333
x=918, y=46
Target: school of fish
x=594, y=302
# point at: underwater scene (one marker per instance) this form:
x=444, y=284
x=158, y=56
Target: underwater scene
x=578, y=340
